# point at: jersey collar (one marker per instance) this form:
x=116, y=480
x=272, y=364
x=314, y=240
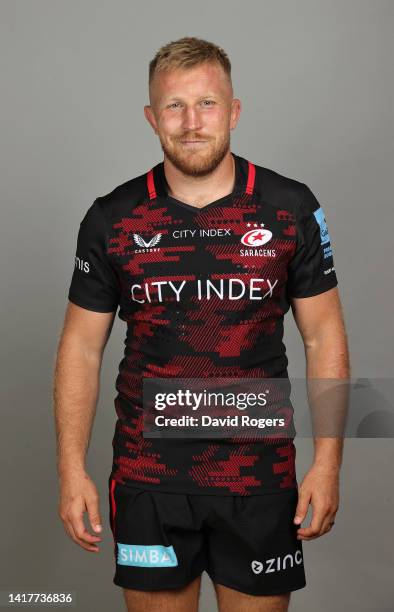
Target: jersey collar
x=245, y=173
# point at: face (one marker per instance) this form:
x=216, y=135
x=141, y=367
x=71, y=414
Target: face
x=193, y=111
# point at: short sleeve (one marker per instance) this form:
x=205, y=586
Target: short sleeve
x=94, y=283
x=311, y=271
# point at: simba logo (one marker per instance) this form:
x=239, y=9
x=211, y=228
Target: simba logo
x=82, y=265
x=146, y=556
x=276, y=564
x=146, y=244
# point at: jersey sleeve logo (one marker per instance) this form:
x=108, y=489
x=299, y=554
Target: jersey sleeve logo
x=81, y=264
x=325, y=241
x=319, y=216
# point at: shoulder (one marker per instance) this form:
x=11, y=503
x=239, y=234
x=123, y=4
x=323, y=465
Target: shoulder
x=118, y=202
x=284, y=192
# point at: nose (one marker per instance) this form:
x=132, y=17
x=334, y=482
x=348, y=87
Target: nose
x=191, y=119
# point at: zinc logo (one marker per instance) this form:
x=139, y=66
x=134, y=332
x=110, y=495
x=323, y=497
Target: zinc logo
x=276, y=564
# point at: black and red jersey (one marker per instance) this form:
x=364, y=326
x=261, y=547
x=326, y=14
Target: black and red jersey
x=203, y=292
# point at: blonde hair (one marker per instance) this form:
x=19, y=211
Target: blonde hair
x=186, y=53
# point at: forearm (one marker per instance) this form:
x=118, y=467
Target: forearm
x=76, y=389
x=328, y=359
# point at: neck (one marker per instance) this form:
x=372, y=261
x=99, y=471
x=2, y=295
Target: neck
x=201, y=190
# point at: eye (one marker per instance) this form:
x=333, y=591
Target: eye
x=173, y=104
x=209, y=102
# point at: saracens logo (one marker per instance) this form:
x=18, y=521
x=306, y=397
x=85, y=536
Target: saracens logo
x=146, y=245
x=256, y=237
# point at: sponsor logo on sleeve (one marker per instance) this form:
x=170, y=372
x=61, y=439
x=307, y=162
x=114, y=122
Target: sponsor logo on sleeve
x=81, y=264
x=324, y=235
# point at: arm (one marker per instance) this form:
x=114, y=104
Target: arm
x=76, y=388
x=320, y=321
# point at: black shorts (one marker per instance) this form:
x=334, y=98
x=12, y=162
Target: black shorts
x=165, y=540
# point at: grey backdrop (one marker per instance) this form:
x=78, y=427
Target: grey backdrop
x=316, y=83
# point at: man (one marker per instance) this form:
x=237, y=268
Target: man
x=169, y=247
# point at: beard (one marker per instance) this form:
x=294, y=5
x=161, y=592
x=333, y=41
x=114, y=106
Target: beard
x=198, y=162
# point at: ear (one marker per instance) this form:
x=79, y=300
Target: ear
x=148, y=112
x=235, y=112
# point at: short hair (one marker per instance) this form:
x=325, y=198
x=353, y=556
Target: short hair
x=188, y=52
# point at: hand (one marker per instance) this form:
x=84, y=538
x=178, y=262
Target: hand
x=320, y=487
x=78, y=493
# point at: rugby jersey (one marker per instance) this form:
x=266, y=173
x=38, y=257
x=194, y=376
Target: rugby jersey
x=203, y=293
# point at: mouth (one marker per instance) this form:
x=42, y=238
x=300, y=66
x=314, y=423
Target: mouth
x=192, y=142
